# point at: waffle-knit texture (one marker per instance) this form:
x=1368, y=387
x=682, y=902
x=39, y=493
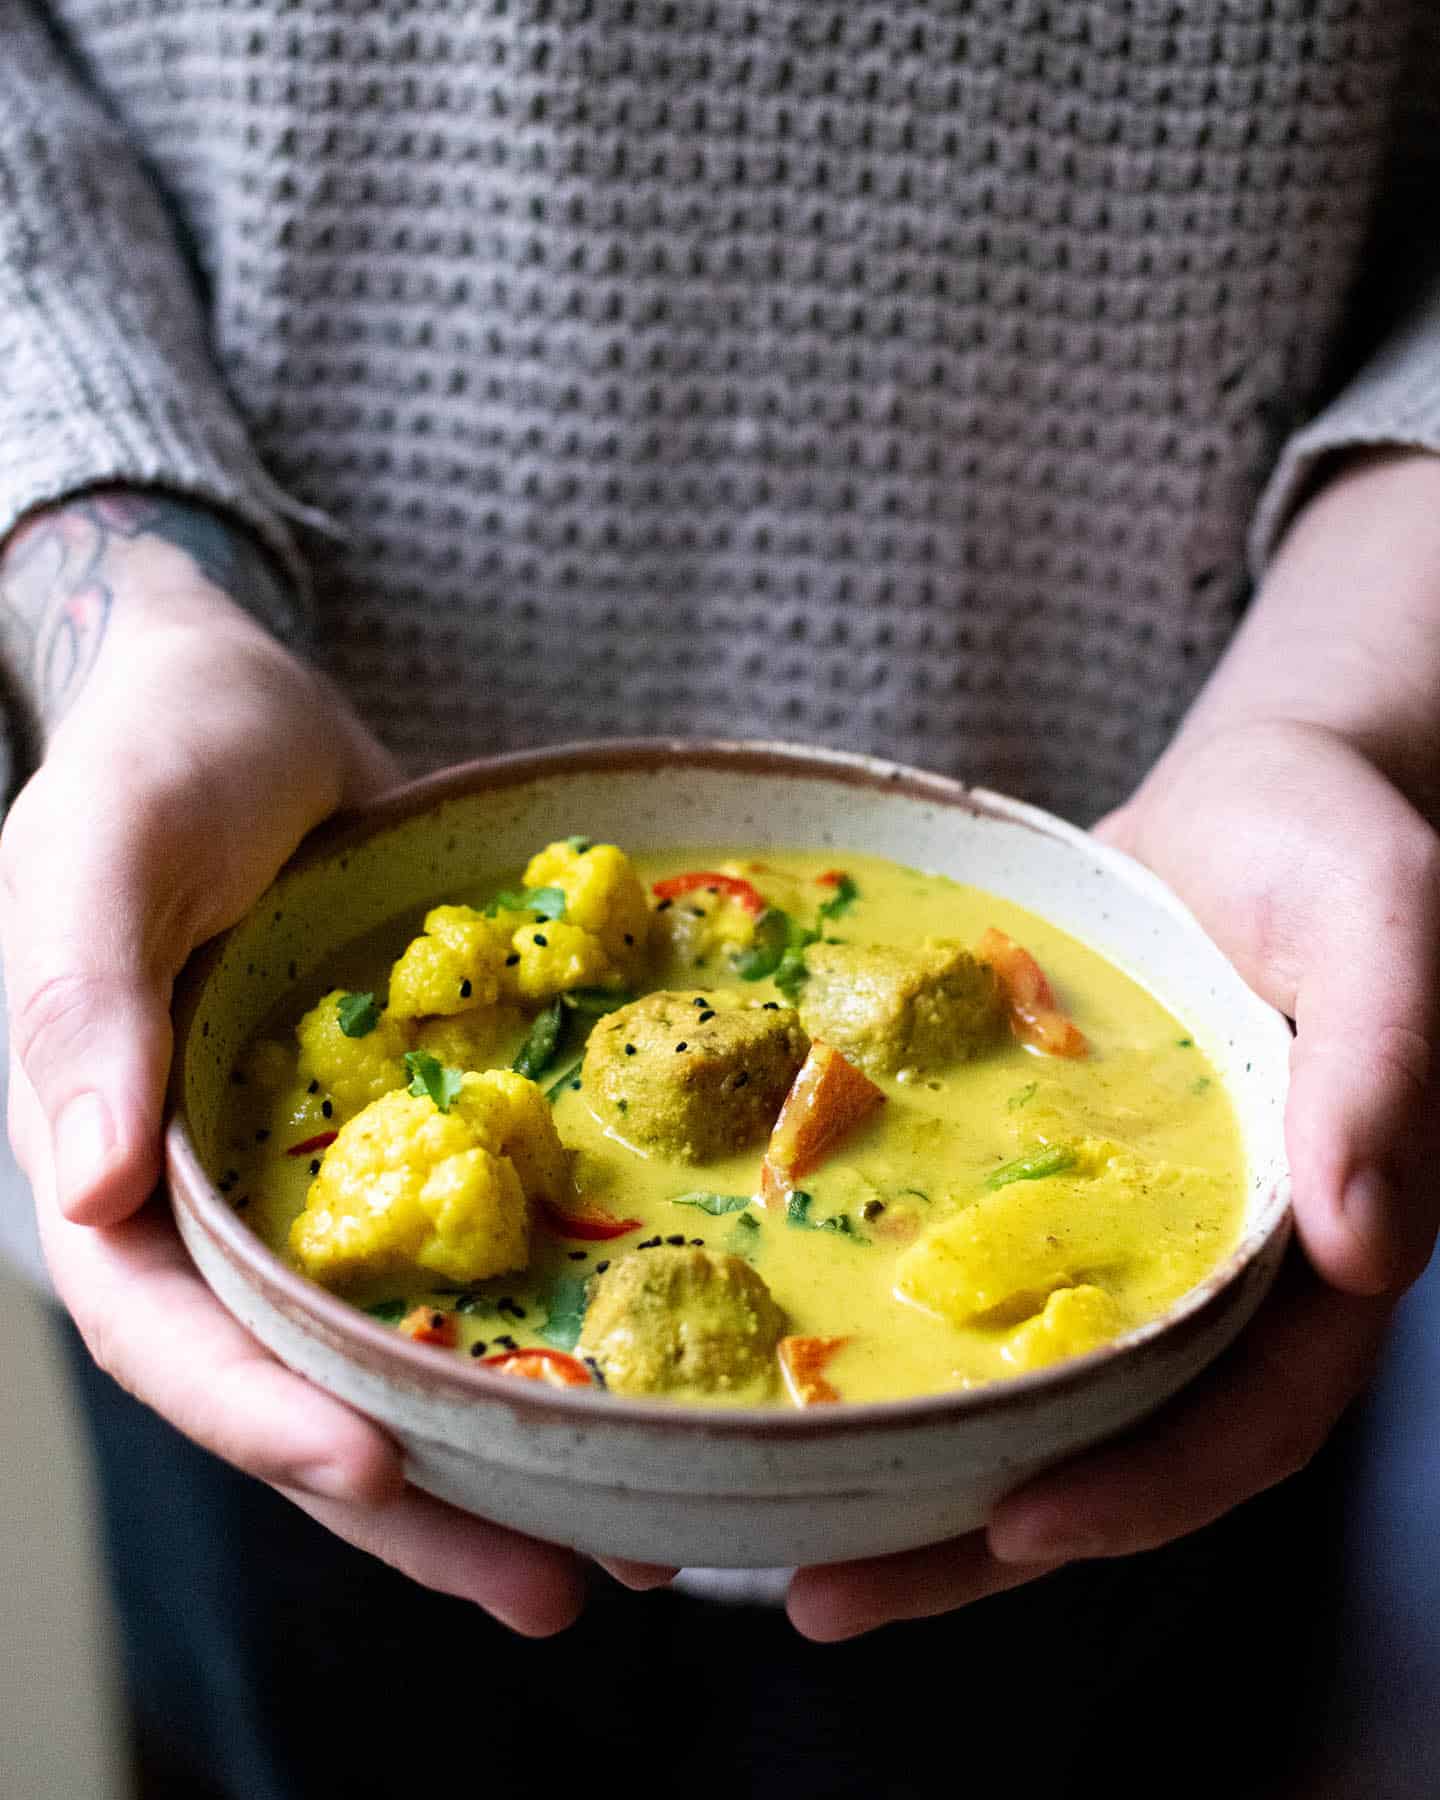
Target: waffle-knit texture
x=897, y=376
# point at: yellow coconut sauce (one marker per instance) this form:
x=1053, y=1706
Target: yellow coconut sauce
x=1143, y=1198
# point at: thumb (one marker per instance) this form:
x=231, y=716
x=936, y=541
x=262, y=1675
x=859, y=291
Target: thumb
x=88, y=989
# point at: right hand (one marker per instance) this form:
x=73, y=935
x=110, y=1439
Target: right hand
x=194, y=757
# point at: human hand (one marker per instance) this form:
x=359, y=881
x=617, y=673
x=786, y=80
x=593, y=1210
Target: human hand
x=1290, y=816
x=187, y=754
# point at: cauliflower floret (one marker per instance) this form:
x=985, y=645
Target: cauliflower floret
x=455, y=964
x=603, y=895
x=352, y=1071
x=467, y=1040
x=406, y=1188
x=701, y=930
x=555, y=956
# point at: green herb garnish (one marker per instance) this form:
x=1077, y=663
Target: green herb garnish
x=845, y=895
x=359, y=1015
x=578, y=844
x=564, y=1303
x=792, y=974
x=1033, y=1167
x=797, y=1212
x=1199, y=1084
x=548, y=902
x=429, y=1076
x=717, y=1205
x=778, y=950
x=389, y=1312
x=538, y=1051
x=1184, y=1043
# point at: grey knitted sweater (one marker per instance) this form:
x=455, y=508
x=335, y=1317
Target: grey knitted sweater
x=901, y=376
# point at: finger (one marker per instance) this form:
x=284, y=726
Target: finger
x=87, y=987
x=639, y=1577
x=150, y=1323
x=534, y=1588
x=1361, y=1121
x=1255, y=1418
x=843, y=1600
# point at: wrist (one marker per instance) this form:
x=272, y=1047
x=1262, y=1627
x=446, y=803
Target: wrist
x=1344, y=632
x=92, y=573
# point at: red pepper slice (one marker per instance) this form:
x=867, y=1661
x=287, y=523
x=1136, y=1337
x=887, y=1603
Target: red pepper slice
x=732, y=886
x=827, y=1099
x=831, y=878
x=427, y=1325
x=591, y=1225
x=553, y=1367
x=321, y=1141
x=1034, y=1017
x=802, y=1363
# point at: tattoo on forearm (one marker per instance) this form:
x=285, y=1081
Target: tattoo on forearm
x=57, y=583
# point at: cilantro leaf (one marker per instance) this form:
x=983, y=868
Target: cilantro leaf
x=717, y=1205
x=564, y=1302
x=558, y=1087
x=359, y=1015
x=792, y=974
x=845, y=895
x=539, y=1049
x=548, y=902
x=389, y=1312
x=797, y=1212
x=429, y=1076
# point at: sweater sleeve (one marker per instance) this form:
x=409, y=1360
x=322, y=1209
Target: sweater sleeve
x=105, y=373
x=1394, y=401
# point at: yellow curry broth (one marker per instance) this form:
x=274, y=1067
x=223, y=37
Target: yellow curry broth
x=919, y=1161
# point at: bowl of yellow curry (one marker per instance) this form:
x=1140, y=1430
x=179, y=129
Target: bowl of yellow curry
x=727, y=1154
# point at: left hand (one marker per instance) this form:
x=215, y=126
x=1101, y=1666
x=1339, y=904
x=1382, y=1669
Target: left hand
x=1291, y=840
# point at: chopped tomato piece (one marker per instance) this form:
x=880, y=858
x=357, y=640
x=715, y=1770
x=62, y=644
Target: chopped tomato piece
x=802, y=1363
x=321, y=1141
x=427, y=1325
x=553, y=1367
x=732, y=886
x=1034, y=1017
x=827, y=1099
x=590, y=1224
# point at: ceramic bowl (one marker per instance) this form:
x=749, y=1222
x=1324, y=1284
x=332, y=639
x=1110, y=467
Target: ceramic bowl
x=685, y=1485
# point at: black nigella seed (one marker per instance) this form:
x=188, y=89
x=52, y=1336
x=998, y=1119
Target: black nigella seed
x=436, y=1320
x=241, y=1202
x=327, y=1109
x=742, y=1078
x=478, y=1348
x=465, y=989
x=629, y=937
x=315, y=1166
x=577, y=1255
x=262, y=1135
x=601, y=1267
x=649, y=1244
x=664, y=906
x=712, y=890
x=542, y=940
x=699, y=1000
x=697, y=912
x=707, y=1014
x=682, y=1045
x=699, y=1243
x=314, y=1088
x=512, y=959
x=676, y=1238
x=508, y=1342
x=629, y=1049
x=771, y=1006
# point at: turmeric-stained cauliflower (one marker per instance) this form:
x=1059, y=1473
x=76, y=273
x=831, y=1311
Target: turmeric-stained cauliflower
x=351, y=1071
x=407, y=1189
x=603, y=896
x=468, y=1040
x=456, y=964
x=1074, y=1320
x=552, y=957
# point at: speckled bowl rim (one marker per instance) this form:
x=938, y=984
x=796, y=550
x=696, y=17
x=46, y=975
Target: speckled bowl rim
x=384, y=1352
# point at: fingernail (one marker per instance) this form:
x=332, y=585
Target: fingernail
x=326, y=1481
x=1369, y=1209
x=84, y=1138
x=1042, y=1546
